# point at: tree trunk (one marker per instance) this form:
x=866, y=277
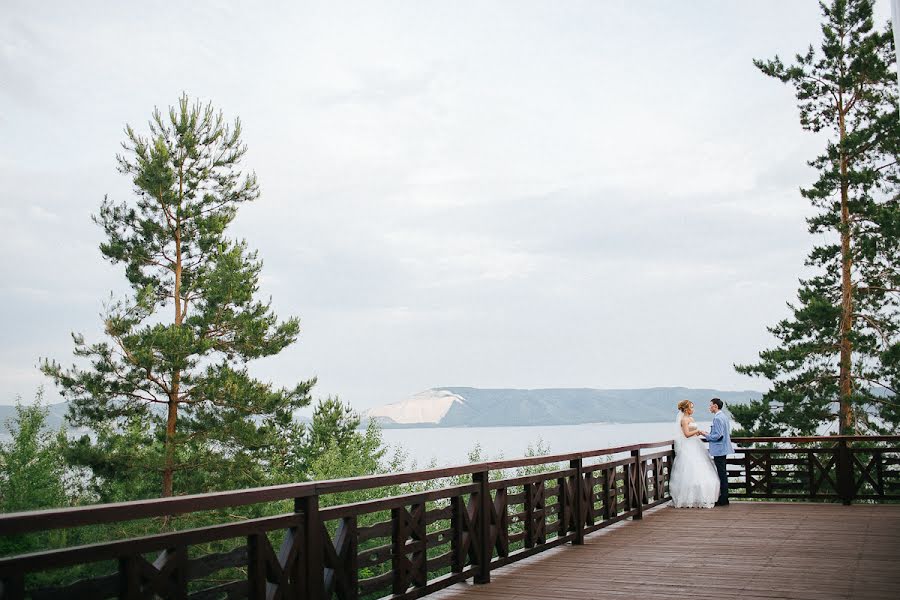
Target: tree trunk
x=172, y=416
x=846, y=357
x=169, y=469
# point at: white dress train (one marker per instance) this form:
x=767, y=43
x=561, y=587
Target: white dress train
x=693, y=482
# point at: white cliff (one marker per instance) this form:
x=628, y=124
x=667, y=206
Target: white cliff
x=429, y=406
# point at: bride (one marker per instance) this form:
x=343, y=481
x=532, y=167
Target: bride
x=693, y=482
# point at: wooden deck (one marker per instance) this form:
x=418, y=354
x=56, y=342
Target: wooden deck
x=746, y=550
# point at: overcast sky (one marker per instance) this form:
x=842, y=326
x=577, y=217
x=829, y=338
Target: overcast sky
x=490, y=194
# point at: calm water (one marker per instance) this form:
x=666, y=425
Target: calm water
x=451, y=445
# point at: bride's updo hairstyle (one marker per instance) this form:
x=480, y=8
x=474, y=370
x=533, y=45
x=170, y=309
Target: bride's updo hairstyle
x=684, y=405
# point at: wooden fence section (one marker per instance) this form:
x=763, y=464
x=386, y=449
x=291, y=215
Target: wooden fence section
x=834, y=468
x=460, y=522
x=470, y=520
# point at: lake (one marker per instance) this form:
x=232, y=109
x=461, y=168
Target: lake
x=451, y=445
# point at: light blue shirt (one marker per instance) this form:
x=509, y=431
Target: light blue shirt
x=719, y=436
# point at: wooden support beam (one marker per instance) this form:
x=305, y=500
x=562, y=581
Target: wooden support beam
x=578, y=500
x=639, y=476
x=483, y=537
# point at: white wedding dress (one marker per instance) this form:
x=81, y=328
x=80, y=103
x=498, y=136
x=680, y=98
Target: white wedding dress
x=693, y=482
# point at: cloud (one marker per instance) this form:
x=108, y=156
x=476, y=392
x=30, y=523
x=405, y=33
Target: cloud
x=40, y=213
x=497, y=194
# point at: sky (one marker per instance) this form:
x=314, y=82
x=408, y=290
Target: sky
x=487, y=194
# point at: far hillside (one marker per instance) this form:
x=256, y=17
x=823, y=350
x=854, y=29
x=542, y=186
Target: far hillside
x=475, y=407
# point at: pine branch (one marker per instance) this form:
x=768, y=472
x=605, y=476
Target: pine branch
x=134, y=361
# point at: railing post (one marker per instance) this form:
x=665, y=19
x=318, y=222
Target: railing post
x=528, y=490
x=638, y=476
x=564, y=499
x=845, y=473
x=458, y=527
x=129, y=578
x=748, y=480
x=12, y=587
x=670, y=462
x=578, y=500
x=483, y=538
x=811, y=469
x=878, y=456
x=313, y=546
x=257, y=582
x=608, y=495
x=400, y=567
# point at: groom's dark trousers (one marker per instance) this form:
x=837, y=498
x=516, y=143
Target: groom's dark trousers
x=723, y=478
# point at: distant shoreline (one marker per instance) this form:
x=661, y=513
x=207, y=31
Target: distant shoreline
x=439, y=426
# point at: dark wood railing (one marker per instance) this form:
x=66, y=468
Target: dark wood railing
x=461, y=522
x=468, y=520
x=831, y=468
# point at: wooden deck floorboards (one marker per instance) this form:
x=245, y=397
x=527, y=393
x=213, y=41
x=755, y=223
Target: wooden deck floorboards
x=753, y=550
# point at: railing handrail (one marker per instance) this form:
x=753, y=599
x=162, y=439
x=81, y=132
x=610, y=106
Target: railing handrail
x=42, y=520
x=57, y=518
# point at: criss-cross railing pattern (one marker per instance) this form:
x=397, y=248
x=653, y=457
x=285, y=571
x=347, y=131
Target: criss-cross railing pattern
x=461, y=523
x=452, y=523
x=841, y=468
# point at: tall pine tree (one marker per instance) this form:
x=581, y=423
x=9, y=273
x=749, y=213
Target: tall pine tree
x=839, y=351
x=168, y=398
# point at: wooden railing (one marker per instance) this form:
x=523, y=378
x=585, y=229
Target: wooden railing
x=831, y=468
x=470, y=519
x=462, y=522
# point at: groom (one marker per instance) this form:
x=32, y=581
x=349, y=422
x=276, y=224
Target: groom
x=719, y=438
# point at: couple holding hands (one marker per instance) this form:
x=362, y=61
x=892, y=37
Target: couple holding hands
x=696, y=480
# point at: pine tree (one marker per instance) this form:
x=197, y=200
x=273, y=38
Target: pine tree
x=333, y=424
x=168, y=396
x=838, y=351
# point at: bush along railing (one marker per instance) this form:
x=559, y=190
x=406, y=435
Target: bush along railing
x=459, y=523
x=830, y=468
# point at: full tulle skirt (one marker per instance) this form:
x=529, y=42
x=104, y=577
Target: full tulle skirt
x=693, y=482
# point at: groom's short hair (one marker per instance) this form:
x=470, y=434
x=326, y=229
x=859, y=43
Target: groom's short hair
x=718, y=402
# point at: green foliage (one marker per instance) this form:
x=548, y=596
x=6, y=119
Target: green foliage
x=32, y=474
x=838, y=351
x=535, y=449
x=334, y=430
x=168, y=396
x=359, y=455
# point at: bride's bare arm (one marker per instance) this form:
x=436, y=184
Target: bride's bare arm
x=686, y=428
